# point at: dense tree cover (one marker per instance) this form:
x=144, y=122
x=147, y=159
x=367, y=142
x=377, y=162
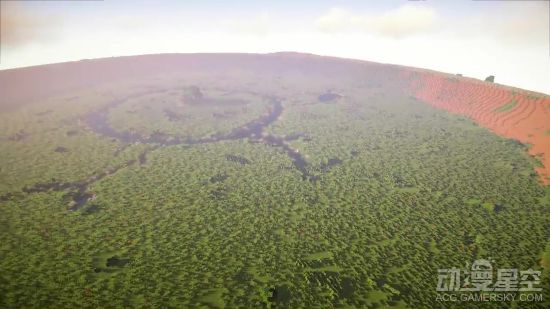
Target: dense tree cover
x=175, y=114
x=398, y=190
x=29, y=139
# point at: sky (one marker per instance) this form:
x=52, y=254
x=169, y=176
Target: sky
x=508, y=39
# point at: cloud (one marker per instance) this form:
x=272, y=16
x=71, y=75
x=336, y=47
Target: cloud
x=402, y=22
x=21, y=25
x=258, y=25
x=515, y=25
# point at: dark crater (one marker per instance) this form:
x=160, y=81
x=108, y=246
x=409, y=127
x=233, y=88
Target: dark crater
x=61, y=149
x=19, y=136
x=237, y=159
x=116, y=261
x=72, y=132
x=329, y=97
x=218, y=178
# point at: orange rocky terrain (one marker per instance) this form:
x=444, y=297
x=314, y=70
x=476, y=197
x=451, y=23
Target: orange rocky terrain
x=509, y=112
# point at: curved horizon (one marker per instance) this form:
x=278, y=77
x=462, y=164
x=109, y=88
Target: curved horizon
x=510, y=40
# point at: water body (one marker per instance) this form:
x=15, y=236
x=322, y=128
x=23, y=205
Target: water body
x=80, y=198
x=297, y=159
x=78, y=194
x=331, y=163
x=328, y=97
x=253, y=130
x=98, y=122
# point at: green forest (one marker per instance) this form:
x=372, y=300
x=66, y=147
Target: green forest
x=247, y=190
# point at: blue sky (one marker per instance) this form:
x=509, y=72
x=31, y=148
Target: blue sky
x=509, y=39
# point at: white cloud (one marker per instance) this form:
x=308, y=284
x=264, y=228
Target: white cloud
x=511, y=42
x=402, y=22
x=514, y=25
x=258, y=25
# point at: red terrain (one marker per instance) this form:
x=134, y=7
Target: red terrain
x=509, y=112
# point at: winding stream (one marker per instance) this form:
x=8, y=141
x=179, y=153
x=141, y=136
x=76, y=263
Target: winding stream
x=98, y=123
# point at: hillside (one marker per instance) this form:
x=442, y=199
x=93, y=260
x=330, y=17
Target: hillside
x=263, y=181
x=510, y=112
